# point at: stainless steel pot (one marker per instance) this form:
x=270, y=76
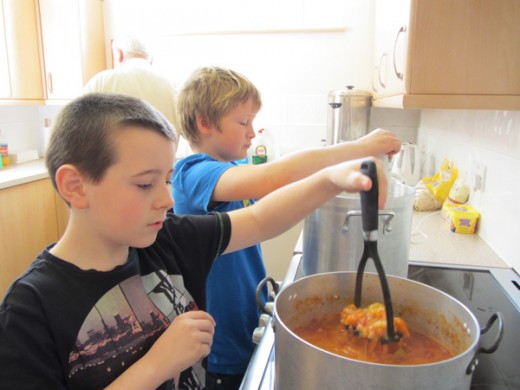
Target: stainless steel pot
x=333, y=236
x=300, y=365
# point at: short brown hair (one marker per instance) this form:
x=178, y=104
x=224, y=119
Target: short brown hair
x=212, y=92
x=82, y=131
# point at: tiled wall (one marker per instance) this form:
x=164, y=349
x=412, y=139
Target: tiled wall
x=491, y=139
x=23, y=126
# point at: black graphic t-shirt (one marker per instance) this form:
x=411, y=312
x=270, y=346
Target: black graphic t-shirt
x=66, y=328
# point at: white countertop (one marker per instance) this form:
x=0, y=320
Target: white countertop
x=15, y=174
x=433, y=241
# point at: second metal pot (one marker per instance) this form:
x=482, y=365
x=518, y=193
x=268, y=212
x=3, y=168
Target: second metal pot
x=333, y=237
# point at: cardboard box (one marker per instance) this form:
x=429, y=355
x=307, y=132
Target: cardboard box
x=461, y=218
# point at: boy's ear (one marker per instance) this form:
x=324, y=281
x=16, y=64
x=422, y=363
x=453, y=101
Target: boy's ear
x=71, y=186
x=203, y=125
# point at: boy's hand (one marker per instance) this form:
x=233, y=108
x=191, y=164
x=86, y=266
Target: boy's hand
x=187, y=340
x=348, y=177
x=380, y=142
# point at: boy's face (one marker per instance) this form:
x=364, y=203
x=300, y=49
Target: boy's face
x=232, y=137
x=127, y=207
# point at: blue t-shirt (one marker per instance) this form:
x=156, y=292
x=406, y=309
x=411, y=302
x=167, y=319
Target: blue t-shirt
x=233, y=278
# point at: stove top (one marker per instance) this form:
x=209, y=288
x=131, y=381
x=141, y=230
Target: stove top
x=483, y=291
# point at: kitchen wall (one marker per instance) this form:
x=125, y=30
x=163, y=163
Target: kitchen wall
x=23, y=126
x=490, y=139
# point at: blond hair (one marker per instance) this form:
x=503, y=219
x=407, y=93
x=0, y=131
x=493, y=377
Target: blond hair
x=212, y=92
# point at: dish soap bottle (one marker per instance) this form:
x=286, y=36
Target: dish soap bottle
x=263, y=147
x=4, y=150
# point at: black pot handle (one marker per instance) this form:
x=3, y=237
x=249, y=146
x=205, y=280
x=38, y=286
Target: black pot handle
x=259, y=288
x=495, y=316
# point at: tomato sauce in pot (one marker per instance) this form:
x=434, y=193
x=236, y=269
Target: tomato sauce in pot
x=330, y=334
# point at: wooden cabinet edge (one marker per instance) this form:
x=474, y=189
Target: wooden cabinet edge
x=457, y=102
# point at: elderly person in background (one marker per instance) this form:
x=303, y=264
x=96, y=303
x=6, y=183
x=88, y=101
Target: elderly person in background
x=134, y=75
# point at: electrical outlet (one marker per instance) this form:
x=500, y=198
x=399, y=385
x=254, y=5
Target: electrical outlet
x=479, y=178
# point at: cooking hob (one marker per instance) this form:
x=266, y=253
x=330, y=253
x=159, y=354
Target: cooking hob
x=483, y=290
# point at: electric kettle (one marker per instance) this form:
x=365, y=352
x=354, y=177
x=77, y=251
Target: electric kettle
x=406, y=164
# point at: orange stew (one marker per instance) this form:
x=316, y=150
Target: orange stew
x=370, y=322
x=331, y=335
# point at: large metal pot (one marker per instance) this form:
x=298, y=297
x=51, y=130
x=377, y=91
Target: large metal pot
x=333, y=236
x=300, y=365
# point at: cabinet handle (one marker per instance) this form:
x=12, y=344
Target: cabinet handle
x=374, y=74
x=383, y=56
x=397, y=73
x=49, y=83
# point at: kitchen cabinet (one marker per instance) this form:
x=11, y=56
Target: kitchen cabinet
x=72, y=34
x=33, y=216
x=49, y=49
x=20, y=67
x=462, y=54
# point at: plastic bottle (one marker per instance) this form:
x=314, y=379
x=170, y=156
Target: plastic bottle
x=4, y=150
x=46, y=133
x=263, y=148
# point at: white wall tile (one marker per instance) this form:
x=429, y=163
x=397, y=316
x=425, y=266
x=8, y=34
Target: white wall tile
x=489, y=138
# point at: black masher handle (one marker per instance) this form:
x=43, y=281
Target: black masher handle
x=369, y=199
x=370, y=217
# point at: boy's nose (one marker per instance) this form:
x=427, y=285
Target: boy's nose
x=165, y=199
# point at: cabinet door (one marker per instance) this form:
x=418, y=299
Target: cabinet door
x=94, y=58
x=22, y=49
x=60, y=30
x=28, y=224
x=469, y=47
x=5, y=84
x=390, y=45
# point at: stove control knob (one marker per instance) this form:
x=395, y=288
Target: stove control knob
x=269, y=307
x=257, y=334
x=263, y=320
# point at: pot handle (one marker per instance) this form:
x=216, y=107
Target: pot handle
x=473, y=363
x=259, y=288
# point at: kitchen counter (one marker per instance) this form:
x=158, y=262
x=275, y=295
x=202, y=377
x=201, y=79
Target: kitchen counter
x=15, y=174
x=432, y=241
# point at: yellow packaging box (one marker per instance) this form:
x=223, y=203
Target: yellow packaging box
x=461, y=218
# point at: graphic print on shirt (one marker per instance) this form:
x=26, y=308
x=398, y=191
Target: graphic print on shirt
x=124, y=324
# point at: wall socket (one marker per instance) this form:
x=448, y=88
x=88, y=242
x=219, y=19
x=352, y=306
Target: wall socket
x=479, y=178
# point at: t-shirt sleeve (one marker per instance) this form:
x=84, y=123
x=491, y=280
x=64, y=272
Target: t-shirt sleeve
x=193, y=242
x=194, y=181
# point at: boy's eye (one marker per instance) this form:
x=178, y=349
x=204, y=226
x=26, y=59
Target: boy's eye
x=144, y=186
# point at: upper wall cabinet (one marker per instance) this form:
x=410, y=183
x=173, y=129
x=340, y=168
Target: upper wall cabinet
x=462, y=54
x=20, y=68
x=72, y=34
x=49, y=48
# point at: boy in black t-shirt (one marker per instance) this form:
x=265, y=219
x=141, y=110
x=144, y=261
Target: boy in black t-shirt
x=118, y=301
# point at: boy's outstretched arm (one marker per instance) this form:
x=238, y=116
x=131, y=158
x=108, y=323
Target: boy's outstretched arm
x=256, y=181
x=283, y=208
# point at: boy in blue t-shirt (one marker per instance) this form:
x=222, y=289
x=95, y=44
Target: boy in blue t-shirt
x=216, y=109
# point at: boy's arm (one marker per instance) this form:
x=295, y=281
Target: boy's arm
x=283, y=208
x=256, y=181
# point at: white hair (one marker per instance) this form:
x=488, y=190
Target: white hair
x=130, y=44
